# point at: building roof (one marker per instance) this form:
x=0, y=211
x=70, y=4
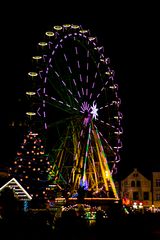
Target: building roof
x=135, y=173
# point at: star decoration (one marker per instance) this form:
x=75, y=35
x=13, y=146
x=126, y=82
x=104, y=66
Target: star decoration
x=94, y=110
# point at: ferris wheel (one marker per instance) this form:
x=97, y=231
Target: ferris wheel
x=74, y=101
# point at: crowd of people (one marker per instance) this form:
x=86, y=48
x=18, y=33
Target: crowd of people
x=15, y=223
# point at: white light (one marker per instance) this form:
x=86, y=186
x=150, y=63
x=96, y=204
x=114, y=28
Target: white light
x=94, y=110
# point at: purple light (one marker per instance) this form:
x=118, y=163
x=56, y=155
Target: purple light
x=80, y=77
x=87, y=79
x=87, y=119
x=81, y=133
x=49, y=44
x=53, y=98
x=38, y=90
x=87, y=65
x=74, y=82
x=65, y=57
x=70, y=92
x=40, y=74
x=90, y=96
x=56, y=73
x=56, y=46
x=93, y=85
x=69, y=69
x=78, y=64
x=38, y=111
x=64, y=83
x=79, y=94
x=76, y=50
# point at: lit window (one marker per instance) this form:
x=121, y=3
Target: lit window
x=132, y=183
x=158, y=182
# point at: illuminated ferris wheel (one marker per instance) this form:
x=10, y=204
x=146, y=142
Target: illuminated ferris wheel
x=75, y=104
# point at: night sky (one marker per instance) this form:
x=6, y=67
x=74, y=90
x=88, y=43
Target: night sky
x=130, y=36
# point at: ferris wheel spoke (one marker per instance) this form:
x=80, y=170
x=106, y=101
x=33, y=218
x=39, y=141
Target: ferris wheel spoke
x=80, y=78
x=66, y=94
x=71, y=85
x=104, y=139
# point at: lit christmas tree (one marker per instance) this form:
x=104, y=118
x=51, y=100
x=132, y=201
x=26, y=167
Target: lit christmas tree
x=31, y=167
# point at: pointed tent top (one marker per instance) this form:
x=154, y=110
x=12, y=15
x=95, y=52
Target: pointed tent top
x=19, y=191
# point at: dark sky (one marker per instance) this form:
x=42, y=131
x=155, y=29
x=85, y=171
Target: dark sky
x=130, y=36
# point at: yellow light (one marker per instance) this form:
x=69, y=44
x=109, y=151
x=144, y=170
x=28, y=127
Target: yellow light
x=33, y=74
x=30, y=93
x=75, y=26
x=37, y=57
x=58, y=28
x=42, y=44
x=83, y=31
x=107, y=73
x=107, y=174
x=50, y=34
x=66, y=25
x=31, y=113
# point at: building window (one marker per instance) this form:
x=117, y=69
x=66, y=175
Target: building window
x=158, y=197
x=158, y=182
x=133, y=184
x=135, y=175
x=126, y=183
x=146, y=195
x=135, y=196
x=138, y=183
